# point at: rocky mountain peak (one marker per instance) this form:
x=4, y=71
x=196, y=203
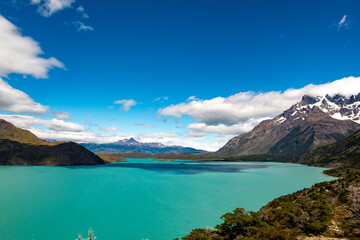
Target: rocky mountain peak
x=307, y=100
x=338, y=106
x=312, y=122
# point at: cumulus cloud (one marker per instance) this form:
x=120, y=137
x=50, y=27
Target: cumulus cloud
x=80, y=26
x=16, y=101
x=343, y=22
x=28, y=122
x=245, y=105
x=61, y=115
x=126, y=104
x=242, y=111
x=20, y=54
x=49, y=7
x=144, y=125
x=199, y=129
x=177, y=139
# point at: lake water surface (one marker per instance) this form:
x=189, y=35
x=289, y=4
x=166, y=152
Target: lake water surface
x=140, y=199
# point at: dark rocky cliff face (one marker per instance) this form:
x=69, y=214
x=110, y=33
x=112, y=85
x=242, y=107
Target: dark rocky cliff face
x=30, y=150
x=306, y=125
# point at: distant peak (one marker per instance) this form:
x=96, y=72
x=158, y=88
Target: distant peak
x=131, y=140
x=127, y=141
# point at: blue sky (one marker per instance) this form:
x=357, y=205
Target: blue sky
x=172, y=60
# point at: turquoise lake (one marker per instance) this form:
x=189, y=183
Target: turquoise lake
x=139, y=199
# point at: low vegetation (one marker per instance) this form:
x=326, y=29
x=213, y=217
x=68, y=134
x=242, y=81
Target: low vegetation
x=328, y=209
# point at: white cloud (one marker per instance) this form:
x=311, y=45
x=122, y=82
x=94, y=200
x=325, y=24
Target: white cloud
x=61, y=115
x=161, y=98
x=85, y=16
x=80, y=9
x=245, y=105
x=126, y=104
x=16, y=101
x=28, y=122
x=199, y=129
x=55, y=129
x=19, y=54
x=109, y=129
x=343, y=22
x=243, y=110
x=80, y=26
x=82, y=12
x=144, y=125
x=49, y=7
x=192, y=98
x=173, y=138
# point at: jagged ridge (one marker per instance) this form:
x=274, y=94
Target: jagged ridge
x=308, y=124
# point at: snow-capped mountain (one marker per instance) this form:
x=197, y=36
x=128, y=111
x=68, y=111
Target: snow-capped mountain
x=312, y=122
x=133, y=142
x=131, y=145
x=338, y=106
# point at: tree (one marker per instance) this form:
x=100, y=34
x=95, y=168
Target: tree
x=91, y=236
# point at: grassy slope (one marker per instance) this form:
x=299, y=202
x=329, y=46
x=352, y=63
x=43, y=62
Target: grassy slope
x=10, y=132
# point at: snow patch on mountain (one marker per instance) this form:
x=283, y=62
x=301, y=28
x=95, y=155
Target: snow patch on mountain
x=340, y=107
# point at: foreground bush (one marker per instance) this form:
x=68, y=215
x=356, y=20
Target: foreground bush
x=91, y=236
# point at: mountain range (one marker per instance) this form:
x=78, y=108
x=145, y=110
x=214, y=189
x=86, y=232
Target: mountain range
x=308, y=124
x=133, y=146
